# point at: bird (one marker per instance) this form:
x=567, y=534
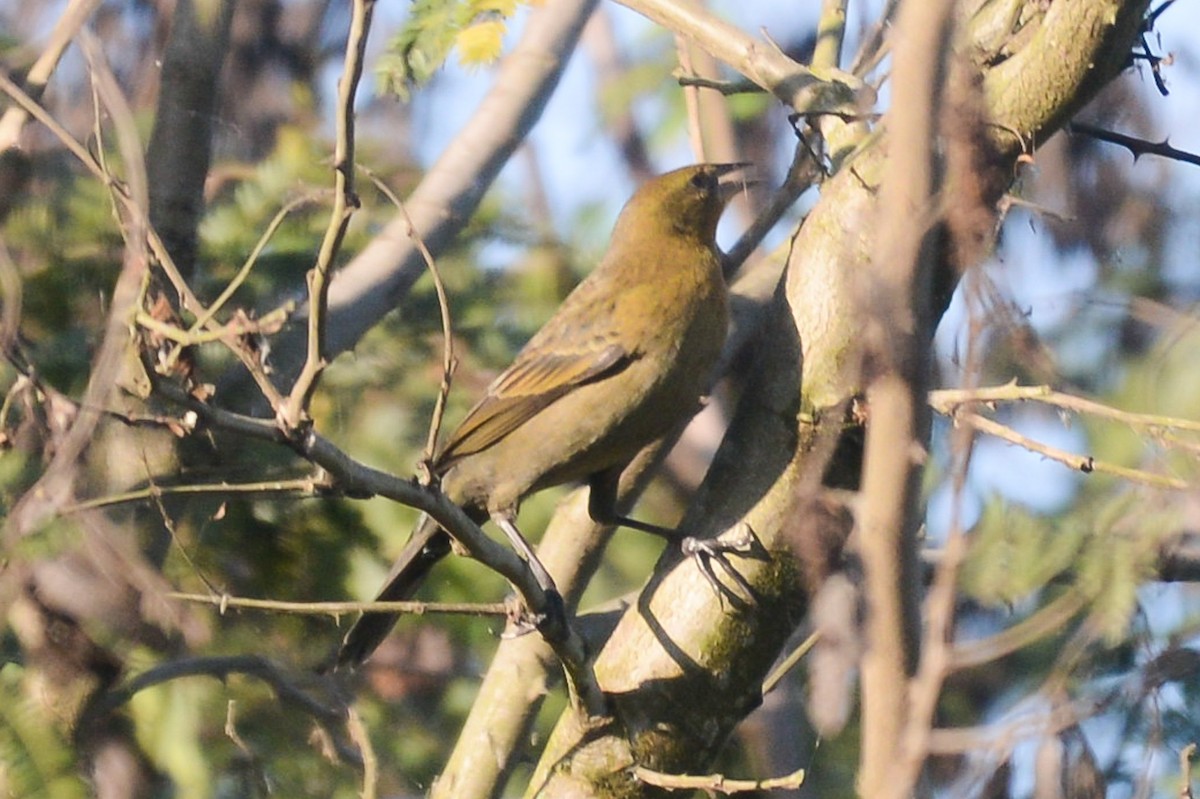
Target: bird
x=627, y=356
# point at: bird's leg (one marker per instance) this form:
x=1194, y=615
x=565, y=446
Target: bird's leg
x=706, y=551
x=552, y=619
x=602, y=506
x=505, y=523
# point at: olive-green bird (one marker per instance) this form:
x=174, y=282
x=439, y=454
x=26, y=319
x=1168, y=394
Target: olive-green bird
x=624, y=359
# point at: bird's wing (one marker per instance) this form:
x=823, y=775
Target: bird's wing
x=525, y=388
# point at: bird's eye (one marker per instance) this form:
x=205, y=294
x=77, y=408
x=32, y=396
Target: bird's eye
x=702, y=180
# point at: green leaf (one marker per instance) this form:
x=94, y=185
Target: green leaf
x=35, y=760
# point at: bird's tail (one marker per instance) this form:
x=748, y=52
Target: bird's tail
x=427, y=545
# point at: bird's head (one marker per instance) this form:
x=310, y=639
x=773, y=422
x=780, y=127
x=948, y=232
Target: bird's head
x=686, y=201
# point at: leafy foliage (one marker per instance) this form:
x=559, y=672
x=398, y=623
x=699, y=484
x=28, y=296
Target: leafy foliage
x=505, y=276
x=35, y=759
x=435, y=28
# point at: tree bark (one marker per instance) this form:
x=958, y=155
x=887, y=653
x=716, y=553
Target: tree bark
x=684, y=664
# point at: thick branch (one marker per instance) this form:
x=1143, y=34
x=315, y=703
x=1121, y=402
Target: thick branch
x=824, y=89
x=682, y=640
x=896, y=304
x=180, y=149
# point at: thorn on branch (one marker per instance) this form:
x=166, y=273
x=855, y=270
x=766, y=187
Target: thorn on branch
x=1156, y=62
x=1138, y=147
x=1153, y=16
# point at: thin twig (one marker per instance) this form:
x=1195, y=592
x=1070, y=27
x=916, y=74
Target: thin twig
x=224, y=602
x=725, y=87
x=359, y=480
x=1138, y=147
x=177, y=542
x=718, y=783
x=941, y=603
x=790, y=662
x=302, y=486
x=239, y=325
x=449, y=362
x=370, y=763
x=1018, y=725
x=691, y=99
x=1046, y=621
x=233, y=735
x=876, y=44
x=1081, y=463
x=1185, y=770
x=287, y=686
x=203, y=318
x=800, y=176
x=12, y=293
x=946, y=401
x=294, y=412
x=188, y=299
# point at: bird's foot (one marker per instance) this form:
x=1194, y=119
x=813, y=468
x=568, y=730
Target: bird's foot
x=551, y=621
x=740, y=540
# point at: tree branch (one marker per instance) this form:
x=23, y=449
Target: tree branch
x=1138, y=147
x=180, y=149
x=378, y=278
x=805, y=89
x=359, y=480
x=294, y=411
x=680, y=641
x=897, y=308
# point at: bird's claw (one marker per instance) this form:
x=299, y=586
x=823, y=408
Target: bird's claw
x=550, y=622
x=706, y=551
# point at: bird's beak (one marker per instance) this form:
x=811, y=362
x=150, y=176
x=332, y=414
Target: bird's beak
x=732, y=179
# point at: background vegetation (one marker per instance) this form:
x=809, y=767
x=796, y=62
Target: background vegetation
x=997, y=602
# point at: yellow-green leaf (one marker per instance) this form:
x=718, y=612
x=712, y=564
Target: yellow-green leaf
x=480, y=43
x=505, y=8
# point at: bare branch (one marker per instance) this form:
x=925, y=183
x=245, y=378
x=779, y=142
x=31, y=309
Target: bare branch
x=376, y=280
x=297, y=689
x=1082, y=463
x=301, y=487
x=359, y=480
x=716, y=783
x=449, y=362
x=1185, y=769
x=203, y=318
x=294, y=412
x=947, y=401
x=1046, y=621
x=896, y=304
x=73, y=18
x=55, y=487
x=1138, y=147
x=817, y=89
x=224, y=602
